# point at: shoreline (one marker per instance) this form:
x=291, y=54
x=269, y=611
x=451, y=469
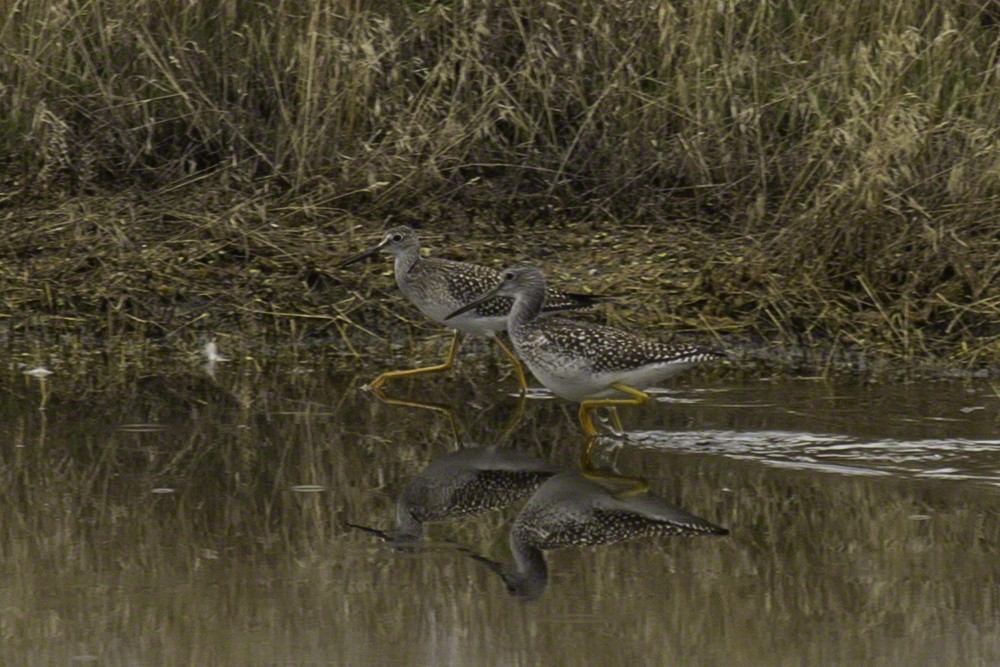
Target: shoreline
x=105, y=269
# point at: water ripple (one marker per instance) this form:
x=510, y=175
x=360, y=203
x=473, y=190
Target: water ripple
x=956, y=459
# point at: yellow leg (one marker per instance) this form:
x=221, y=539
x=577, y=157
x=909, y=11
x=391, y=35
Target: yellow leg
x=436, y=407
x=515, y=418
x=518, y=371
x=616, y=420
x=377, y=383
x=634, y=485
x=586, y=407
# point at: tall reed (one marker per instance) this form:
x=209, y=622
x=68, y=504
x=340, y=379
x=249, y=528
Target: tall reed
x=856, y=143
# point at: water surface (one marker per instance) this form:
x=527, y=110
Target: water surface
x=170, y=517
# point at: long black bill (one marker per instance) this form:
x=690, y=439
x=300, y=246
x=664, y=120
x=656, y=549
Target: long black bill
x=360, y=256
x=469, y=306
x=494, y=566
x=368, y=529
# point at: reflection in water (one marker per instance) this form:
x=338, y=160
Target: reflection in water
x=173, y=397
x=443, y=408
x=629, y=484
x=246, y=561
x=957, y=459
x=571, y=510
x=464, y=483
x=568, y=509
x=449, y=411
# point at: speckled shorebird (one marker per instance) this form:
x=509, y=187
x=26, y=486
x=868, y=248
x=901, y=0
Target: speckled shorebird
x=463, y=483
x=438, y=286
x=582, y=361
x=571, y=510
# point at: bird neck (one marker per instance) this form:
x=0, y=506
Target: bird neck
x=406, y=523
x=405, y=259
x=527, y=306
x=529, y=559
x=530, y=574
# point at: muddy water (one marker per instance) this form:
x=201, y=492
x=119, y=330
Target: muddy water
x=175, y=518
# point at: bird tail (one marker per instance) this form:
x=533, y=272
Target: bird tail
x=573, y=301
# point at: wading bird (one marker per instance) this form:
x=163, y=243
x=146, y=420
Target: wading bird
x=463, y=483
x=572, y=510
x=582, y=361
x=438, y=287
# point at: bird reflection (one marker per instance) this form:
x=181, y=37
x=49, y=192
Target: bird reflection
x=449, y=412
x=576, y=510
x=627, y=484
x=443, y=408
x=463, y=483
x=566, y=508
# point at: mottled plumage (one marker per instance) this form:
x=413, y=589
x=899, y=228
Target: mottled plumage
x=572, y=510
x=464, y=483
x=581, y=360
x=438, y=287
x=607, y=349
x=470, y=481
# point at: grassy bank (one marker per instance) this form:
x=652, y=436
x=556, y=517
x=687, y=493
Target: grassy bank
x=824, y=175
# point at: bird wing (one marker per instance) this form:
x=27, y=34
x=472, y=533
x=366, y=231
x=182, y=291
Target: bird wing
x=465, y=279
x=612, y=349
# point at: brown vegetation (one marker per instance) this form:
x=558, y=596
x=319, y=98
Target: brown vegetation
x=823, y=175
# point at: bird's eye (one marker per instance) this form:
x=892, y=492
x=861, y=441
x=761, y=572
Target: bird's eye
x=508, y=276
x=397, y=237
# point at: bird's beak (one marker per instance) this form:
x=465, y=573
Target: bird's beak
x=368, y=529
x=469, y=306
x=492, y=565
x=361, y=256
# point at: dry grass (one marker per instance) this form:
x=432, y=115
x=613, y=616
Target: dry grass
x=823, y=174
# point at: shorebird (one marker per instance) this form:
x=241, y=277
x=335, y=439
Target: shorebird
x=581, y=361
x=463, y=483
x=438, y=287
x=572, y=510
